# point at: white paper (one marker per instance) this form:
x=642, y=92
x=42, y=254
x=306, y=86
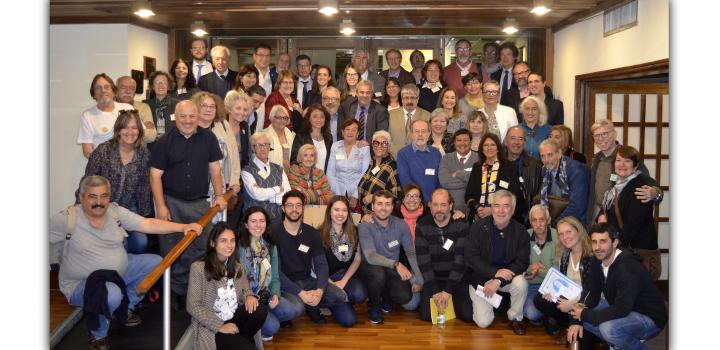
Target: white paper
x=494, y=300
x=557, y=284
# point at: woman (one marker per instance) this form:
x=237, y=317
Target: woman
x=185, y=82
x=97, y=122
x=212, y=116
x=491, y=173
x=239, y=108
x=347, y=163
x=342, y=252
x=281, y=138
x=161, y=103
x=417, y=61
x=534, y=114
x=431, y=86
x=282, y=96
x=382, y=174
x=563, y=135
x=323, y=79
x=349, y=86
x=259, y=256
x=315, y=131
x=247, y=76
x=478, y=127
x=447, y=100
x=307, y=178
x=391, y=100
x=633, y=219
x=412, y=207
x=473, y=99
x=440, y=138
x=225, y=313
x=264, y=182
x=124, y=161
x=573, y=256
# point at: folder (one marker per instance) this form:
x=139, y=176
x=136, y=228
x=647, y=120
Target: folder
x=449, y=310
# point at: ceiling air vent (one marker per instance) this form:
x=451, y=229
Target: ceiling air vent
x=620, y=18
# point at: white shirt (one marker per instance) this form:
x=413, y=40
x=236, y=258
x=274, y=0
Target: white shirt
x=265, y=81
x=606, y=268
x=505, y=117
x=435, y=88
x=322, y=153
x=96, y=126
x=206, y=68
x=272, y=194
x=299, y=90
x=365, y=75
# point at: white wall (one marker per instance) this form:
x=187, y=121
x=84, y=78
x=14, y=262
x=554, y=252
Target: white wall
x=581, y=48
x=78, y=52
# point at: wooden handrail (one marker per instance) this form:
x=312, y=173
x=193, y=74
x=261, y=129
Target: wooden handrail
x=177, y=250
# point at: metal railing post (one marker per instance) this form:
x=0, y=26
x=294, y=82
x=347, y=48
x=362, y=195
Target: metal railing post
x=167, y=294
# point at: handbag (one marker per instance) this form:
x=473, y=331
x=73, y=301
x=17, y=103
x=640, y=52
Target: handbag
x=557, y=205
x=650, y=257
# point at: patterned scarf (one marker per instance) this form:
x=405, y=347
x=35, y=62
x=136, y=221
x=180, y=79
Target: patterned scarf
x=548, y=182
x=489, y=177
x=609, y=197
x=258, y=275
x=337, y=241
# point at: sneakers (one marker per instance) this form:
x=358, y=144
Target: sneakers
x=267, y=338
x=98, y=343
x=538, y=322
x=375, y=315
x=132, y=320
x=386, y=307
x=316, y=317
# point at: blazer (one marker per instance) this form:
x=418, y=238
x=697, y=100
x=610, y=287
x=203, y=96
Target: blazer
x=399, y=134
x=404, y=77
x=479, y=248
x=497, y=76
x=304, y=138
x=276, y=153
x=212, y=83
x=376, y=118
x=244, y=144
x=638, y=231
x=457, y=184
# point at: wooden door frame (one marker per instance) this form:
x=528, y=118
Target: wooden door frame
x=584, y=84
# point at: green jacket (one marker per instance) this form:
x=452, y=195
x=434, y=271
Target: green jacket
x=547, y=254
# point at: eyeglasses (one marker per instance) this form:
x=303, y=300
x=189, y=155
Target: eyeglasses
x=377, y=143
x=282, y=117
x=412, y=196
x=462, y=49
x=409, y=97
x=331, y=98
x=293, y=205
x=520, y=73
x=262, y=145
x=204, y=106
x=602, y=134
x=491, y=92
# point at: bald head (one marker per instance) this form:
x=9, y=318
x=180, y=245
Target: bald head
x=186, y=117
x=126, y=89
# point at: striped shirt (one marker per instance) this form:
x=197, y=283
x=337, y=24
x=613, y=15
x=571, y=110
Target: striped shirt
x=383, y=178
x=441, y=268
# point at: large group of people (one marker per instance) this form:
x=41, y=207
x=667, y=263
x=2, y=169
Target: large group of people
x=464, y=177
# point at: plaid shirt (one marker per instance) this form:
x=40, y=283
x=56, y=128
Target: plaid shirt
x=385, y=179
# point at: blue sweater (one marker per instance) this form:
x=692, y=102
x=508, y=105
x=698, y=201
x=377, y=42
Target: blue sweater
x=419, y=167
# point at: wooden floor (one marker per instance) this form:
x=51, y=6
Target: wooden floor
x=59, y=307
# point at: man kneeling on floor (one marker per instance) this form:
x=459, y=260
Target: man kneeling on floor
x=96, y=273
x=622, y=306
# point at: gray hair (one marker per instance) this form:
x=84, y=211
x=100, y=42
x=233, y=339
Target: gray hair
x=357, y=51
x=382, y=133
x=274, y=111
x=542, y=108
x=550, y=143
x=234, y=97
x=539, y=207
x=504, y=193
x=93, y=181
x=600, y=123
x=365, y=82
x=439, y=112
x=215, y=49
x=257, y=135
x=303, y=148
x=410, y=88
x=331, y=88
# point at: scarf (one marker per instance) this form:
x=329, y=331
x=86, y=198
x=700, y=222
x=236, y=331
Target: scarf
x=337, y=241
x=489, y=179
x=478, y=104
x=616, y=189
x=548, y=181
x=411, y=218
x=258, y=276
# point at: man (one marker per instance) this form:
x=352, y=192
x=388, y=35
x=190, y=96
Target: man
x=181, y=163
x=361, y=63
x=401, y=118
x=303, y=267
x=439, y=245
x=603, y=166
x=500, y=118
x=91, y=235
x=264, y=182
x=529, y=167
x=266, y=77
x=282, y=63
x=417, y=61
x=372, y=115
x=508, y=56
x=418, y=162
x=623, y=305
x=200, y=65
x=564, y=183
x=126, y=94
x=537, y=87
x=543, y=240
x=380, y=269
x=331, y=102
x=454, y=72
x=455, y=168
x=304, y=80
x=497, y=252
x=519, y=90
x=395, y=70
x=258, y=95
x=222, y=79
x=492, y=55
x=96, y=122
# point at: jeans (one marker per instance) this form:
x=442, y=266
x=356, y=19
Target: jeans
x=378, y=279
x=136, y=242
x=138, y=267
x=412, y=305
x=333, y=298
x=283, y=311
x=624, y=333
x=353, y=288
x=529, y=310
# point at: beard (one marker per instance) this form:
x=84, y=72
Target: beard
x=290, y=217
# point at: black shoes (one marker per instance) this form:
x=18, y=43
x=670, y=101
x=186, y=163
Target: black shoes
x=132, y=320
x=316, y=317
x=98, y=343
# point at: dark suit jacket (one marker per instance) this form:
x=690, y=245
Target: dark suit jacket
x=304, y=138
x=556, y=110
x=244, y=144
x=377, y=118
x=497, y=76
x=273, y=78
x=212, y=83
x=405, y=77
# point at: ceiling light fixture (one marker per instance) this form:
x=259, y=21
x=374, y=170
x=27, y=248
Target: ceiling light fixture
x=347, y=27
x=141, y=8
x=510, y=26
x=541, y=7
x=328, y=7
x=198, y=28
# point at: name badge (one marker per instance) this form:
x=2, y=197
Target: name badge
x=266, y=264
x=504, y=184
x=303, y=248
x=448, y=244
x=521, y=179
x=343, y=248
x=375, y=170
x=172, y=116
x=430, y=172
x=468, y=169
x=537, y=250
x=339, y=156
x=392, y=244
x=378, y=94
